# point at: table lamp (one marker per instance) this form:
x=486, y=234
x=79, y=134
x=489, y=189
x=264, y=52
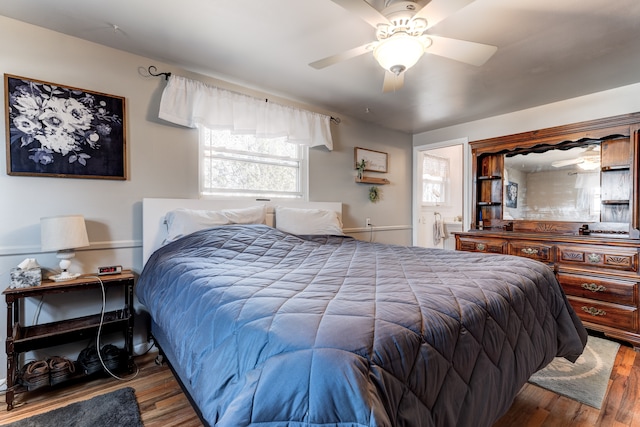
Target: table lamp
x=63, y=234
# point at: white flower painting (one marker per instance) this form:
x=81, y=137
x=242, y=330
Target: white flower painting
x=56, y=130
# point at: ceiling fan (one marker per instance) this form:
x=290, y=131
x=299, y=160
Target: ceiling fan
x=589, y=160
x=401, y=32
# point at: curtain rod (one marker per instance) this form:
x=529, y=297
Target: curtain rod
x=154, y=73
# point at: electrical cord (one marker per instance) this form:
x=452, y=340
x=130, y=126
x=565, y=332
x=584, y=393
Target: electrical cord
x=153, y=344
x=102, y=311
x=36, y=314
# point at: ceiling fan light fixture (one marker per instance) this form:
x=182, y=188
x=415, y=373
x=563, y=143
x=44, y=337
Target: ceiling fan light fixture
x=398, y=53
x=589, y=165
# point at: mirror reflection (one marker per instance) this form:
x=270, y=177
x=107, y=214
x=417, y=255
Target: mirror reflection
x=555, y=185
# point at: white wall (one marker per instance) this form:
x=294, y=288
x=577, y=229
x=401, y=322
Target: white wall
x=613, y=102
x=162, y=163
x=333, y=176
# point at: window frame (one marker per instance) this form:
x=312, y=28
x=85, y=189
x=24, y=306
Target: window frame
x=303, y=173
x=446, y=182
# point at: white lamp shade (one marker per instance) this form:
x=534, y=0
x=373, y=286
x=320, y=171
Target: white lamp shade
x=400, y=50
x=63, y=232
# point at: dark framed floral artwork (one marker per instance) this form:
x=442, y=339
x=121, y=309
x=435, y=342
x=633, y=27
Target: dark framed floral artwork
x=512, y=195
x=61, y=131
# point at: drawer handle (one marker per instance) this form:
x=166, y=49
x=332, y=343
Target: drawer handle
x=593, y=287
x=480, y=246
x=530, y=251
x=594, y=258
x=594, y=311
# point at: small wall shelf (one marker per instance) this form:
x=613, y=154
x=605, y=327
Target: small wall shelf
x=371, y=180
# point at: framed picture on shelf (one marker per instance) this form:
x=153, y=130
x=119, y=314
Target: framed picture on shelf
x=375, y=161
x=65, y=132
x=511, y=200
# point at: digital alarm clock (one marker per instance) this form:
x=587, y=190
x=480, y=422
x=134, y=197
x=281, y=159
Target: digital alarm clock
x=110, y=269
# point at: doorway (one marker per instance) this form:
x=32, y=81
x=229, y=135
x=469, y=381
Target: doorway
x=441, y=193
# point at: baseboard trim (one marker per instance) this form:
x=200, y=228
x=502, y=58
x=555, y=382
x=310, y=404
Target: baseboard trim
x=377, y=228
x=33, y=249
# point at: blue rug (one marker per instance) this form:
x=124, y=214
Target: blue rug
x=118, y=408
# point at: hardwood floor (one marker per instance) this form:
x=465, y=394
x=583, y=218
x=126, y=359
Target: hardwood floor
x=162, y=403
x=537, y=407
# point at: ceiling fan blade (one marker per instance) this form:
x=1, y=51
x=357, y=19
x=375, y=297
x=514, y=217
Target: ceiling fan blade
x=460, y=50
x=348, y=54
x=562, y=163
x=392, y=82
x=364, y=10
x=437, y=10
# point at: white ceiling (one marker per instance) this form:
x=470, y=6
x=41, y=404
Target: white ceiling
x=548, y=50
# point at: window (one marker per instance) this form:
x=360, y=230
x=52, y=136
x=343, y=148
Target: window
x=233, y=165
x=435, y=180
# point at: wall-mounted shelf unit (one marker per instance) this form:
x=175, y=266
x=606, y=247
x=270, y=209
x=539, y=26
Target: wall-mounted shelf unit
x=489, y=187
x=616, y=197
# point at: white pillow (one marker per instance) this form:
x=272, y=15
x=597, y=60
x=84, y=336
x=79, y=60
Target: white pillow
x=251, y=215
x=308, y=221
x=181, y=222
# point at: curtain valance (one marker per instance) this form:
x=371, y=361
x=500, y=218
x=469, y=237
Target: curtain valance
x=191, y=103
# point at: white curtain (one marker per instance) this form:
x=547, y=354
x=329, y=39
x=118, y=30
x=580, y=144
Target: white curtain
x=191, y=103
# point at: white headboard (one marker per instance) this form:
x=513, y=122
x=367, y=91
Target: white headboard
x=154, y=229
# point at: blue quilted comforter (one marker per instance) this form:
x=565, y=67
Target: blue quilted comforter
x=270, y=329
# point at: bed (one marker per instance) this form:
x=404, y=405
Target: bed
x=263, y=327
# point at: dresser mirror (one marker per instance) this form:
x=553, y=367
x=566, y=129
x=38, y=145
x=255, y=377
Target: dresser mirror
x=578, y=179
x=554, y=184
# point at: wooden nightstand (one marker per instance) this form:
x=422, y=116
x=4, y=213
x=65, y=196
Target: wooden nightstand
x=22, y=339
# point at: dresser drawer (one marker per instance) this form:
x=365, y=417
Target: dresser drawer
x=609, y=290
x=488, y=245
x=533, y=250
x=605, y=314
x=601, y=257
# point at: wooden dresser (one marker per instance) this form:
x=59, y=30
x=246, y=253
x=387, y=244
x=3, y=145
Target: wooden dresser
x=595, y=259
x=599, y=275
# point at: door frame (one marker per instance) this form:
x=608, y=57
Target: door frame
x=466, y=176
